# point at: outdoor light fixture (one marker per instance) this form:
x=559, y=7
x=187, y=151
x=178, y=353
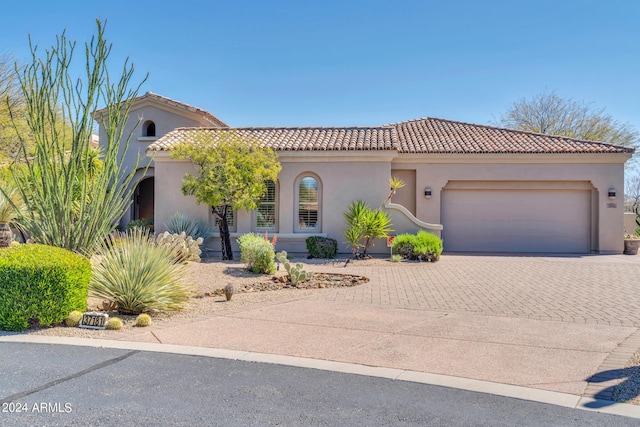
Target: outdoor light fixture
x=427, y=192
x=612, y=193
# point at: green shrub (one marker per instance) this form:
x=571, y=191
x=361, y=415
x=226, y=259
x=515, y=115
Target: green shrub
x=146, y=224
x=422, y=246
x=322, y=247
x=180, y=223
x=257, y=252
x=396, y=258
x=137, y=275
x=41, y=284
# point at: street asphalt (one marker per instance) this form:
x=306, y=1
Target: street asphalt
x=66, y=385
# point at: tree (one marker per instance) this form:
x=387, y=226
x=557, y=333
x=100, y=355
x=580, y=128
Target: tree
x=12, y=100
x=232, y=171
x=551, y=114
x=72, y=201
x=632, y=198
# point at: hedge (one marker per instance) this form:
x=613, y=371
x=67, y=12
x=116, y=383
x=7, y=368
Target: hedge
x=41, y=285
x=321, y=247
x=422, y=246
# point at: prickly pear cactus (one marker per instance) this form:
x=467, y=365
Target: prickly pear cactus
x=296, y=272
x=184, y=247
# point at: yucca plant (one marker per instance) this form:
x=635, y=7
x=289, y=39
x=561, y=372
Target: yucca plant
x=395, y=184
x=11, y=207
x=365, y=225
x=180, y=223
x=137, y=275
x=352, y=237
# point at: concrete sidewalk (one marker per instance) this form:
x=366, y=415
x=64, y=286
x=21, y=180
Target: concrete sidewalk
x=547, y=323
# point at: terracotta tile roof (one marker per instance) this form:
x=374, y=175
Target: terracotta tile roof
x=429, y=135
x=177, y=104
x=294, y=138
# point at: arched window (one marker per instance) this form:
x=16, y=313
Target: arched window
x=308, y=200
x=149, y=128
x=266, y=215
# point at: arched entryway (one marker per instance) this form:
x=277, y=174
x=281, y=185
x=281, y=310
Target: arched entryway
x=143, y=199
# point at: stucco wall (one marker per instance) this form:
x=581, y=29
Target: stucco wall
x=607, y=215
x=345, y=177
x=342, y=180
x=169, y=198
x=165, y=120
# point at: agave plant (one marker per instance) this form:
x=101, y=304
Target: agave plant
x=180, y=223
x=11, y=207
x=137, y=275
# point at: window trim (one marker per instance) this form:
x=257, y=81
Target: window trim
x=296, y=207
x=254, y=219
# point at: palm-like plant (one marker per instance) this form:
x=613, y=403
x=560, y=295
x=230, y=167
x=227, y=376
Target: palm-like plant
x=11, y=207
x=138, y=275
x=365, y=225
x=395, y=184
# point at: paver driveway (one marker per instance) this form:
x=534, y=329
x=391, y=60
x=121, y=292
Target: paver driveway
x=598, y=289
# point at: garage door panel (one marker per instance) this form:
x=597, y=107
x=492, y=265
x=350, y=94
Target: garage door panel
x=516, y=221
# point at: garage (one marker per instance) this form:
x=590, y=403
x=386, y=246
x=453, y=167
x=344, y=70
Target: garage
x=550, y=217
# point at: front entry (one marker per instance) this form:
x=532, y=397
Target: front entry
x=143, y=199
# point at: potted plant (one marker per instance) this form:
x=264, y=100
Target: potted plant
x=631, y=244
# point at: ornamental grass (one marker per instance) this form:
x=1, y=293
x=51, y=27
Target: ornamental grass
x=138, y=275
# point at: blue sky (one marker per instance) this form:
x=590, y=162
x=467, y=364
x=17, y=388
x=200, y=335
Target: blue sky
x=343, y=63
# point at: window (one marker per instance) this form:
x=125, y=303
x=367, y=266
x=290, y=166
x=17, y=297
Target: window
x=231, y=218
x=149, y=128
x=267, y=212
x=308, y=204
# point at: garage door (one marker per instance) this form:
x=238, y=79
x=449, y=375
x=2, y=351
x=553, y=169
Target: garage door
x=516, y=220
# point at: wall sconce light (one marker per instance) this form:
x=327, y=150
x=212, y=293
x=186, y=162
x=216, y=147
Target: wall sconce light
x=612, y=193
x=427, y=192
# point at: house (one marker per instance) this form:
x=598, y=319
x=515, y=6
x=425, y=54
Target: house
x=152, y=116
x=482, y=188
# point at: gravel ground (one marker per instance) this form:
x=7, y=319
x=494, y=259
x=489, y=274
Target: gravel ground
x=629, y=389
x=205, y=280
